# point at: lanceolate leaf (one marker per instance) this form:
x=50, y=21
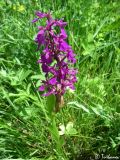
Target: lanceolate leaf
x=51, y=103
x=78, y=106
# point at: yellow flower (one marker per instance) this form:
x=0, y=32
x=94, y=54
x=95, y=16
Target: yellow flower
x=21, y=8
x=18, y=7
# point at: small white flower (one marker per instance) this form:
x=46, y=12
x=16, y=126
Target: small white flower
x=62, y=129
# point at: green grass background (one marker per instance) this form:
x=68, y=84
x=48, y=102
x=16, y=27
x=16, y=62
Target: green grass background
x=93, y=109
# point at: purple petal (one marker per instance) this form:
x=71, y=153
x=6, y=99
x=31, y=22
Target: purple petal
x=40, y=39
x=63, y=46
x=60, y=23
x=70, y=56
x=46, y=58
x=63, y=34
x=35, y=20
x=72, y=71
x=45, y=68
x=39, y=61
x=40, y=27
x=72, y=87
x=42, y=88
x=49, y=92
x=53, y=81
x=41, y=15
x=53, y=71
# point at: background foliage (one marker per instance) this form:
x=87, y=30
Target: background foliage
x=92, y=113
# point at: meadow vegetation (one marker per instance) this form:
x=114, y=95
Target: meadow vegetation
x=89, y=122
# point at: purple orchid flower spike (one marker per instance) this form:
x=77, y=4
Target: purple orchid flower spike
x=60, y=76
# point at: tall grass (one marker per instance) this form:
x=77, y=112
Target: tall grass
x=93, y=110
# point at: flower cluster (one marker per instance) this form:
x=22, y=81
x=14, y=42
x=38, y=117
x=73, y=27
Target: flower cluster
x=56, y=57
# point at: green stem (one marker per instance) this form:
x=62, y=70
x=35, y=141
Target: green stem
x=56, y=137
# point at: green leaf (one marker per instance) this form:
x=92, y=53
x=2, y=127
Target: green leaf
x=24, y=74
x=54, y=131
x=78, y=106
x=95, y=110
x=113, y=143
x=42, y=77
x=51, y=103
x=70, y=130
